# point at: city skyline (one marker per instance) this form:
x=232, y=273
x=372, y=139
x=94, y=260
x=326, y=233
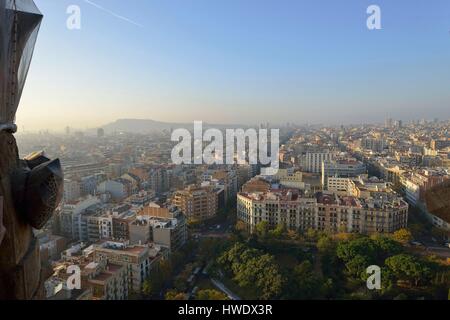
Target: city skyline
x=239, y=153
x=237, y=63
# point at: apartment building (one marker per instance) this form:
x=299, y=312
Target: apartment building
x=88, y=184
x=285, y=206
x=100, y=280
x=227, y=179
x=244, y=173
x=137, y=259
x=416, y=183
x=107, y=281
x=142, y=198
x=160, y=179
x=342, y=186
x=197, y=203
x=51, y=246
x=119, y=189
x=84, y=169
x=360, y=186
x=384, y=213
x=95, y=224
x=72, y=190
x=289, y=178
x=122, y=216
x=224, y=184
x=70, y=217
x=163, y=226
x=313, y=161
x=374, y=144
x=341, y=168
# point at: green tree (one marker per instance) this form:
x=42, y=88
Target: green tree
x=409, y=268
x=402, y=235
x=165, y=268
x=357, y=266
x=240, y=226
x=304, y=283
x=210, y=294
x=387, y=247
x=174, y=295
x=278, y=231
x=155, y=283
x=387, y=279
x=180, y=283
x=210, y=248
x=311, y=234
x=158, y=275
x=262, y=229
x=235, y=256
x=147, y=287
x=253, y=270
x=363, y=246
x=326, y=244
x=329, y=290
x=401, y=296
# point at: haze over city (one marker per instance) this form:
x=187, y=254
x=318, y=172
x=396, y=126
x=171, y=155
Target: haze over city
x=237, y=62
x=252, y=154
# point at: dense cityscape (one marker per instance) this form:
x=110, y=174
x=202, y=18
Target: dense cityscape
x=344, y=198
x=212, y=159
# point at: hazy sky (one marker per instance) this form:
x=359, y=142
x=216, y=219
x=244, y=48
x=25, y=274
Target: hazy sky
x=238, y=61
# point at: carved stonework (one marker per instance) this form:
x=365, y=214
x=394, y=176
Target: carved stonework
x=2, y=227
x=30, y=189
x=19, y=251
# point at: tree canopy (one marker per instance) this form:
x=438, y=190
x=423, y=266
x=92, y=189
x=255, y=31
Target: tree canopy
x=253, y=270
x=210, y=294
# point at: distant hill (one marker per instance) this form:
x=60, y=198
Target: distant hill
x=151, y=126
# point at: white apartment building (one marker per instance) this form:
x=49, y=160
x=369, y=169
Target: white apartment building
x=313, y=161
x=357, y=186
x=70, y=217
x=342, y=168
x=412, y=192
x=342, y=186
x=326, y=212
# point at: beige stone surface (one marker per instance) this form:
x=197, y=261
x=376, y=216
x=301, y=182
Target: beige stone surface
x=20, y=266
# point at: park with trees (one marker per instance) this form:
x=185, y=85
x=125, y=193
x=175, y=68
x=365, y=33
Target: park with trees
x=279, y=264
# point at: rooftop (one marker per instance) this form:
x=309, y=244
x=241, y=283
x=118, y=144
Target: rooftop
x=380, y=200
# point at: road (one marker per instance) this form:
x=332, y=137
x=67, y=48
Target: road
x=430, y=246
x=439, y=251
x=224, y=289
